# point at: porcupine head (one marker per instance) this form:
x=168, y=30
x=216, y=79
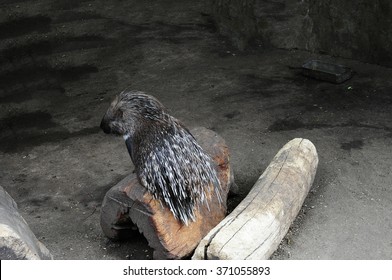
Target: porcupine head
x=167, y=159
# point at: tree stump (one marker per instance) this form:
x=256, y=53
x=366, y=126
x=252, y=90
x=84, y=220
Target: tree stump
x=258, y=224
x=129, y=204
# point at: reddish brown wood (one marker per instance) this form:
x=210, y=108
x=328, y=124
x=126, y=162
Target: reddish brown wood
x=129, y=204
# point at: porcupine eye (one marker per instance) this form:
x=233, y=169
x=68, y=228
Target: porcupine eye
x=118, y=116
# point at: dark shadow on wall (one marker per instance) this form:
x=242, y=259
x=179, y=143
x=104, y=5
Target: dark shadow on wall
x=360, y=30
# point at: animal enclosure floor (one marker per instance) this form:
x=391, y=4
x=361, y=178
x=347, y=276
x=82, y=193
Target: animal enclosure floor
x=62, y=62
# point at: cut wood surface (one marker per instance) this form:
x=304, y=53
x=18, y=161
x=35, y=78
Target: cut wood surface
x=128, y=204
x=258, y=224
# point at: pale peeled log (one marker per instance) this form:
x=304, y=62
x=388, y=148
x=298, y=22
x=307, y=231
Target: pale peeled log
x=256, y=227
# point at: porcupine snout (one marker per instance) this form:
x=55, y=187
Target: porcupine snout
x=112, y=123
x=105, y=125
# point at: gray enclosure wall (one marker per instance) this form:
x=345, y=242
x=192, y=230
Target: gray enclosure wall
x=360, y=29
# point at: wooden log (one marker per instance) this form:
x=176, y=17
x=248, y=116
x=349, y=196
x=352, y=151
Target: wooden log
x=258, y=224
x=17, y=241
x=129, y=204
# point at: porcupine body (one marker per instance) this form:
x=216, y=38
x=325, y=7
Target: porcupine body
x=168, y=161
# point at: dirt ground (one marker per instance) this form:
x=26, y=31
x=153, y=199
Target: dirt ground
x=63, y=61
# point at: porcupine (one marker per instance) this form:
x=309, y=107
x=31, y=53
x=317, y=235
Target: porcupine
x=168, y=161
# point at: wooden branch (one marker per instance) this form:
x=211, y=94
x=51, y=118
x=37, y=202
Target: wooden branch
x=128, y=204
x=256, y=227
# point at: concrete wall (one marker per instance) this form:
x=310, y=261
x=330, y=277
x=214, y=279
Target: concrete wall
x=360, y=29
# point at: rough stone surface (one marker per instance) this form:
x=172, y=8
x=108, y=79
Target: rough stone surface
x=351, y=29
x=17, y=241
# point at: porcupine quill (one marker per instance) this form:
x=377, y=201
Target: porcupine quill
x=168, y=161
